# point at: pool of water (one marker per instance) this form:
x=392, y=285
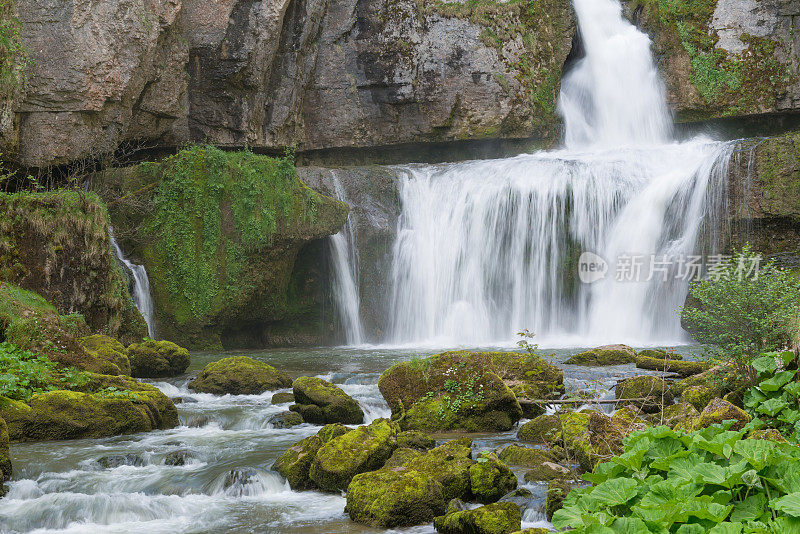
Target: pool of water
x=60, y=486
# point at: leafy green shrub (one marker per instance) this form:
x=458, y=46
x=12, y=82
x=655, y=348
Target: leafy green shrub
x=708, y=481
x=774, y=402
x=23, y=374
x=741, y=314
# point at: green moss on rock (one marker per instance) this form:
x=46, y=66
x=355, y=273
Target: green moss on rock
x=547, y=471
x=157, y=359
x=520, y=456
x=699, y=396
x=557, y=491
x=5, y=456
x=294, y=464
x=239, y=375
x=320, y=402
x=364, y=449
x=490, y=479
x=282, y=397
x=683, y=368
x=605, y=355
x=414, y=439
x=543, y=429
x=109, y=350
x=497, y=518
x=654, y=389
x=677, y=416
x=718, y=411
x=466, y=391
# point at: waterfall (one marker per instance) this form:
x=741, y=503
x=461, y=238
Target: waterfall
x=141, y=287
x=487, y=248
x=345, y=274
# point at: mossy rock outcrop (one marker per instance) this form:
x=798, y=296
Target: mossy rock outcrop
x=294, y=465
x=605, y=355
x=557, y=491
x=282, y=397
x=490, y=479
x=677, y=416
x=721, y=378
x=699, y=396
x=57, y=244
x=239, y=375
x=659, y=354
x=63, y=414
x=242, y=278
x=157, y=359
x=547, y=471
x=683, y=368
x=412, y=492
x=465, y=390
x=414, y=439
x=364, y=449
x=520, y=456
x=320, y=402
x=109, y=350
x=497, y=518
x=543, y=429
x=718, y=411
x=650, y=393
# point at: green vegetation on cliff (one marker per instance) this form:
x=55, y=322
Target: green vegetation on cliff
x=13, y=58
x=57, y=244
x=728, y=83
x=220, y=237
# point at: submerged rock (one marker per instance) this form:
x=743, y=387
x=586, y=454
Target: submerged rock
x=110, y=351
x=497, y=518
x=415, y=491
x=178, y=458
x=294, y=465
x=718, y=411
x=364, y=449
x=239, y=375
x=285, y=420
x=520, y=496
x=320, y=402
x=157, y=359
x=651, y=393
x=605, y=355
x=466, y=391
x=109, y=462
x=490, y=479
x=198, y=421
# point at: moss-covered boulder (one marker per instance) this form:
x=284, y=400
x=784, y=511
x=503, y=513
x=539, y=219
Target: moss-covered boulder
x=605, y=355
x=285, y=420
x=57, y=245
x=699, y=396
x=364, y=449
x=721, y=378
x=320, y=402
x=769, y=434
x=465, y=391
x=413, y=488
x=718, y=411
x=294, y=465
x=239, y=375
x=110, y=351
x=65, y=414
x=658, y=354
x=5, y=456
x=490, y=479
x=543, y=429
x=650, y=393
x=414, y=439
x=680, y=367
x=677, y=416
x=557, y=491
x=547, y=471
x=629, y=417
x=521, y=456
x=282, y=397
x=497, y=518
x=157, y=359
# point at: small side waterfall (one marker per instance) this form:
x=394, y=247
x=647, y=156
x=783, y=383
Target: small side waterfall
x=141, y=287
x=345, y=274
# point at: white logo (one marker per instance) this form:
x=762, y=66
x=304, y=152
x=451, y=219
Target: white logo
x=591, y=267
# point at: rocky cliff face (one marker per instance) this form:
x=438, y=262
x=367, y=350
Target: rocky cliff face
x=273, y=73
x=725, y=57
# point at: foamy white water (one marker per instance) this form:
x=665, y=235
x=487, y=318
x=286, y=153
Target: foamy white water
x=141, y=287
x=486, y=249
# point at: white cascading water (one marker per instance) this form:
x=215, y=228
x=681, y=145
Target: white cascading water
x=345, y=274
x=486, y=249
x=141, y=287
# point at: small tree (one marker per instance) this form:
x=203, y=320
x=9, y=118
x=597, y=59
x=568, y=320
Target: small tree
x=739, y=312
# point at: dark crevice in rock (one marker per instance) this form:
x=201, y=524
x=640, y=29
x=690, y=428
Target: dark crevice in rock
x=764, y=125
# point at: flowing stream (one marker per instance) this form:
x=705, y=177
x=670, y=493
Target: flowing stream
x=141, y=287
